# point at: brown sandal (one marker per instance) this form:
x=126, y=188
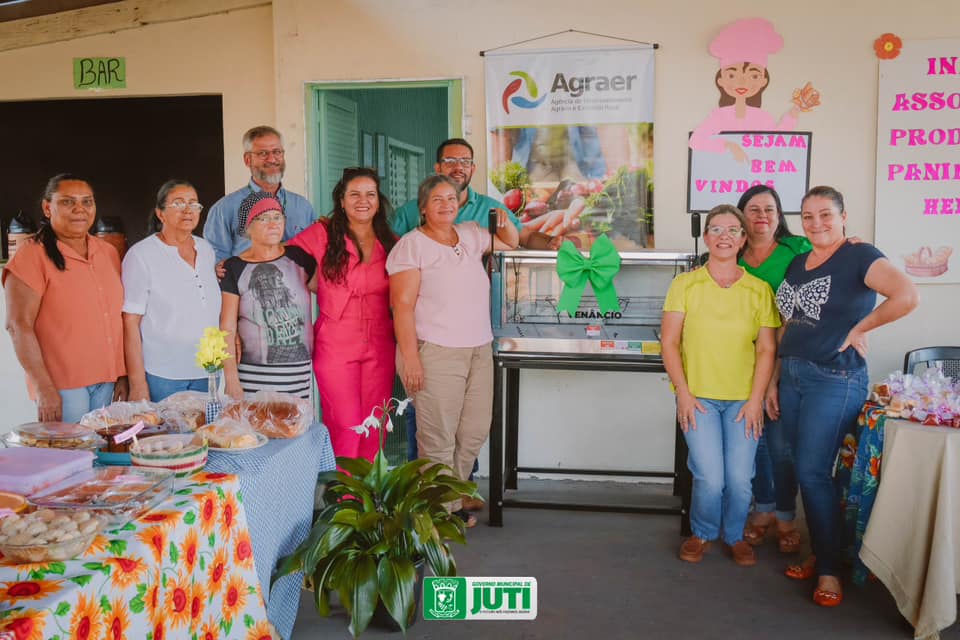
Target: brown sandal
x=755, y=534
x=788, y=541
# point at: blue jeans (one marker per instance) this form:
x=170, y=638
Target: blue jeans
x=775, y=483
x=721, y=458
x=817, y=406
x=410, y=418
x=81, y=400
x=160, y=388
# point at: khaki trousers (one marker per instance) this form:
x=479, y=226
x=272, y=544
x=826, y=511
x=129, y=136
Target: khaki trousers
x=455, y=406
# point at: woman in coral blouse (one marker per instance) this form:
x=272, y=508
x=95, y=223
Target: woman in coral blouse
x=64, y=294
x=354, y=346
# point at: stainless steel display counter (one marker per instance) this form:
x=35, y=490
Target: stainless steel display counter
x=529, y=333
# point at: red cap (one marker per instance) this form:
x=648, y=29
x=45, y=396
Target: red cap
x=262, y=206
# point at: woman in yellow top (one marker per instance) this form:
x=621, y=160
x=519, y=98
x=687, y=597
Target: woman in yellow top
x=718, y=338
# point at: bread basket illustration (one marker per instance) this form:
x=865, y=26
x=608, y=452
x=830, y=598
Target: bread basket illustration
x=926, y=263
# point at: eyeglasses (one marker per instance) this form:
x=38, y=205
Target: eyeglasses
x=70, y=203
x=267, y=218
x=263, y=155
x=466, y=163
x=180, y=205
x=717, y=230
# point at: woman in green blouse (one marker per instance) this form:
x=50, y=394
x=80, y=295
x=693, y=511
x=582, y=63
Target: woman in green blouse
x=769, y=251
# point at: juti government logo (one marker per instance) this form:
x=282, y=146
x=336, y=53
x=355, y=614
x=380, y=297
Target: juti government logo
x=479, y=598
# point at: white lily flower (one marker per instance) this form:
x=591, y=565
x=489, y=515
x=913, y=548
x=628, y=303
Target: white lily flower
x=371, y=422
x=361, y=429
x=389, y=426
x=402, y=406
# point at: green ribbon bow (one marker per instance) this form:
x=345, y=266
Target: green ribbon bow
x=600, y=269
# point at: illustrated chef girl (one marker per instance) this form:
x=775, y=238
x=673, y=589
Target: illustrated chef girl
x=742, y=49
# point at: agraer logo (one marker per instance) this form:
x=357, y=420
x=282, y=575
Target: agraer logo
x=479, y=598
x=514, y=86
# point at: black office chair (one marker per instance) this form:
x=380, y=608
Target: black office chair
x=946, y=359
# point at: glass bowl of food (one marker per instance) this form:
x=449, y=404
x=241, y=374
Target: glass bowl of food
x=47, y=535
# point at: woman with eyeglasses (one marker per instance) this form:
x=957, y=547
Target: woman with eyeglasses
x=170, y=295
x=354, y=347
x=828, y=300
x=63, y=295
x=718, y=339
x=266, y=301
x=440, y=296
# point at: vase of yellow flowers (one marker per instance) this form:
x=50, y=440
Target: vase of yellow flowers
x=211, y=352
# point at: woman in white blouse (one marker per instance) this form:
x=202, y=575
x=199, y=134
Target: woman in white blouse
x=170, y=295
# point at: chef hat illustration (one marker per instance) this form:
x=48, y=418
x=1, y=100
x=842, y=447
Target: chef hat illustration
x=750, y=40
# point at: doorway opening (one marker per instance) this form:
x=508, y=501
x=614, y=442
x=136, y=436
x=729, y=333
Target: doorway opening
x=393, y=127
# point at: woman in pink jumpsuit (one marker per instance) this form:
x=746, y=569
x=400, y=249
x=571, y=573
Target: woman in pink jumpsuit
x=354, y=344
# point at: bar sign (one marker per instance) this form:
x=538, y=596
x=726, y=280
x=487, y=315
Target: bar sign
x=99, y=73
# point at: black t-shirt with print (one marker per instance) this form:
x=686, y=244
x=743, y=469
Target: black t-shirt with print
x=275, y=313
x=820, y=306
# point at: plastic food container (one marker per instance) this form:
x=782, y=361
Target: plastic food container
x=27, y=470
x=43, y=536
x=116, y=495
x=53, y=435
x=109, y=434
x=182, y=453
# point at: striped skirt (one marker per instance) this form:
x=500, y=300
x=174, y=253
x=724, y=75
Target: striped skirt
x=293, y=378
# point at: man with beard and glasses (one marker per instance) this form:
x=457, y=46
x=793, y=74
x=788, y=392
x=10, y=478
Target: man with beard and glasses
x=263, y=154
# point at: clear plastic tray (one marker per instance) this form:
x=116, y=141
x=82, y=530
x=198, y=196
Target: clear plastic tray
x=116, y=494
x=53, y=435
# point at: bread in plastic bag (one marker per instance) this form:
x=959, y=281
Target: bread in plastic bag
x=226, y=433
x=185, y=409
x=274, y=414
x=122, y=413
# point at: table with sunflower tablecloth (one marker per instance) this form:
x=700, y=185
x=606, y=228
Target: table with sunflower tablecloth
x=182, y=570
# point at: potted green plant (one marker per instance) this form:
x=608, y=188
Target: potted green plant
x=378, y=525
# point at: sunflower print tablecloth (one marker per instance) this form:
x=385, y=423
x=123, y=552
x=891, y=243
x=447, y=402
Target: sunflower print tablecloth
x=182, y=570
x=858, y=474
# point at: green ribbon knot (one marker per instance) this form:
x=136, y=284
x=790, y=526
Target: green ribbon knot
x=600, y=269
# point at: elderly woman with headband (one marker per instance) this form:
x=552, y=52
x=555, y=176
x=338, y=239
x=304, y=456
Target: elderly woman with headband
x=266, y=301
x=718, y=337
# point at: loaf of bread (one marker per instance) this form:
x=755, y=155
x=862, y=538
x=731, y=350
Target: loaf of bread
x=274, y=418
x=229, y=435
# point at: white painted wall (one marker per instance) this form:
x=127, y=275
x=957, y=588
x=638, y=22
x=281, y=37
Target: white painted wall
x=261, y=59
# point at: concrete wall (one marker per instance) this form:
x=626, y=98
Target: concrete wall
x=261, y=62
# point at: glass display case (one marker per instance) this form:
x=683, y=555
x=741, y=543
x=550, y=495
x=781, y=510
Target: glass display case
x=531, y=333
x=526, y=319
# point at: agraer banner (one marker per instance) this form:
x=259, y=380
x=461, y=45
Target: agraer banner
x=570, y=146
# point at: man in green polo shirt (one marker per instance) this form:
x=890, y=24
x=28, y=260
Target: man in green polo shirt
x=455, y=159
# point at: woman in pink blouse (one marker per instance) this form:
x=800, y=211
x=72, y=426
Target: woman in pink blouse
x=440, y=296
x=354, y=347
